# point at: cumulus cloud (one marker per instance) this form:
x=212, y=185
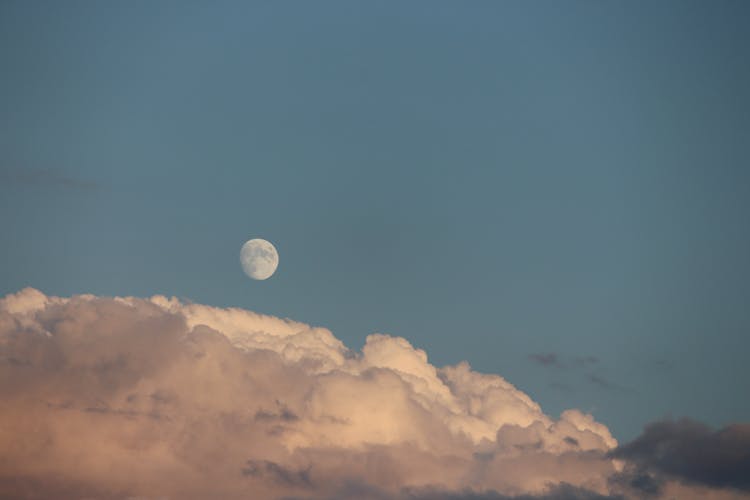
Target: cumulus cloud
x=154, y=398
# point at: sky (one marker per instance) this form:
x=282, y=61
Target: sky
x=556, y=192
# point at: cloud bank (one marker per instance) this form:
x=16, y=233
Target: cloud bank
x=692, y=453
x=154, y=398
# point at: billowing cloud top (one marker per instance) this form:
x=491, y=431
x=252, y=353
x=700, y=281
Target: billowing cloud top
x=128, y=397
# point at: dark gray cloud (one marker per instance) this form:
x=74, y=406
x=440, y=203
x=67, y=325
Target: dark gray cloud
x=279, y=474
x=691, y=452
x=281, y=413
x=562, y=491
x=637, y=483
x=545, y=359
x=363, y=491
x=571, y=441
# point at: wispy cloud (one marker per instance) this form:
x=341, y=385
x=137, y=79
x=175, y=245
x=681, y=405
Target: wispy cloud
x=545, y=359
x=552, y=359
x=585, y=361
x=603, y=383
x=576, y=364
x=41, y=177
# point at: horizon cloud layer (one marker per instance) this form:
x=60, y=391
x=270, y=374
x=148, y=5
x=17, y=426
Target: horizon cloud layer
x=123, y=397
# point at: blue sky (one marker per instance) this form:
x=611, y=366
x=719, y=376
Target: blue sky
x=490, y=180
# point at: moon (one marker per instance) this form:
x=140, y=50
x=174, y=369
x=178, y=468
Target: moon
x=259, y=259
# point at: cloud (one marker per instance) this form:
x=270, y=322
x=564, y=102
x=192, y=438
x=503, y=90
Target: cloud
x=605, y=384
x=153, y=398
x=585, y=360
x=45, y=177
x=691, y=452
x=552, y=359
x=366, y=492
x=545, y=359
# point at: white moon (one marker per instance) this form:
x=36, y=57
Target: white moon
x=259, y=259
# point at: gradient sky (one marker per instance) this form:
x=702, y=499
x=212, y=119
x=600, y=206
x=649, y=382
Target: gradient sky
x=490, y=180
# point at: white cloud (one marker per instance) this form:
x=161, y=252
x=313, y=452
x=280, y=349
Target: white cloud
x=153, y=397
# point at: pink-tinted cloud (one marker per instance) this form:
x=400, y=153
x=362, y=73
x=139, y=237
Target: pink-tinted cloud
x=127, y=397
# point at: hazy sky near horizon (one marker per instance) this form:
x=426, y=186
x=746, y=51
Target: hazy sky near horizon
x=557, y=192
